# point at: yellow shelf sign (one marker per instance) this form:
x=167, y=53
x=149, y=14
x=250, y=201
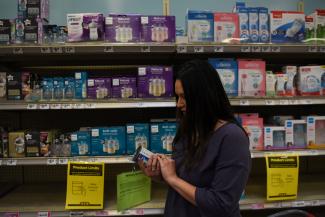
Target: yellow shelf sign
x=282, y=177
x=85, y=185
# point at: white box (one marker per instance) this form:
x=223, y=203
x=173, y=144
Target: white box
x=290, y=87
x=274, y=138
x=296, y=134
x=316, y=131
x=311, y=80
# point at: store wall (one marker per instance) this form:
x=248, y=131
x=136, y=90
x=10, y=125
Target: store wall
x=59, y=8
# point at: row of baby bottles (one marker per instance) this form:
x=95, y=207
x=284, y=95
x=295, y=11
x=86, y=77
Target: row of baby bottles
x=110, y=145
x=167, y=141
x=159, y=33
x=157, y=86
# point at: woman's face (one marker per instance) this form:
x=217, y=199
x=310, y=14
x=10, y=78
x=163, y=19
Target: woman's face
x=181, y=103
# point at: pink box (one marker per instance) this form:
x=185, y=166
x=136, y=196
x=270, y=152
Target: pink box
x=254, y=129
x=226, y=27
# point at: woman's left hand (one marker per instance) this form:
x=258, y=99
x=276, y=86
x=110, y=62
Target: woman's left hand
x=167, y=167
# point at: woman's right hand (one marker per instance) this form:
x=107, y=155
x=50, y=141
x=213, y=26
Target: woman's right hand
x=152, y=168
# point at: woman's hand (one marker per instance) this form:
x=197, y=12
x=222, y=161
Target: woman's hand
x=152, y=168
x=168, y=168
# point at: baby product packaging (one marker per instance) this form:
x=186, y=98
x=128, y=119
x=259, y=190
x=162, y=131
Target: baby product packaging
x=4, y=143
x=296, y=134
x=3, y=84
x=274, y=138
x=158, y=29
x=46, y=141
x=264, y=25
x=58, y=88
x=320, y=25
x=316, y=132
x=280, y=87
x=162, y=136
x=310, y=29
x=16, y=144
x=14, y=86
x=32, y=144
x=200, y=26
x=99, y=88
x=108, y=141
x=80, y=143
x=48, y=88
x=19, y=31
x=31, y=30
x=291, y=85
x=310, y=80
x=124, y=87
x=228, y=73
x=155, y=81
x=26, y=82
x=254, y=129
x=287, y=26
x=251, y=78
x=243, y=25
x=270, y=83
x=137, y=135
x=85, y=27
x=33, y=9
x=226, y=27
x=122, y=28
x=5, y=31
x=253, y=25
x=69, y=88
x=81, y=85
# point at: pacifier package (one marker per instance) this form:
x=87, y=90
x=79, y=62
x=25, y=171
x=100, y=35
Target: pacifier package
x=158, y=28
x=200, y=26
x=162, y=137
x=80, y=143
x=136, y=135
x=296, y=134
x=316, y=131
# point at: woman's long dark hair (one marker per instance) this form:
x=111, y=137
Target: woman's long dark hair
x=206, y=104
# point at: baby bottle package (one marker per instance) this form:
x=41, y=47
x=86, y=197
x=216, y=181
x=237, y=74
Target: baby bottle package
x=158, y=29
x=16, y=144
x=243, y=25
x=228, y=73
x=253, y=15
x=81, y=85
x=47, y=89
x=58, y=88
x=155, y=81
x=162, y=136
x=296, y=134
x=316, y=131
x=200, y=26
x=270, y=83
x=80, y=143
x=291, y=85
x=14, y=87
x=310, y=29
x=264, y=25
x=226, y=27
x=274, y=138
x=310, y=80
x=319, y=19
x=3, y=84
x=287, y=26
x=122, y=28
x=281, y=82
x=124, y=87
x=254, y=129
x=136, y=135
x=99, y=88
x=69, y=88
x=32, y=144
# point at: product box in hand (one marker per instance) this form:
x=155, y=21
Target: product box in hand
x=80, y=143
x=124, y=87
x=155, y=81
x=136, y=135
x=254, y=128
x=108, y=141
x=32, y=144
x=200, y=26
x=228, y=73
x=80, y=85
x=14, y=86
x=253, y=15
x=251, y=78
x=226, y=27
x=287, y=26
x=5, y=31
x=122, y=28
x=99, y=88
x=296, y=134
x=162, y=137
x=158, y=28
x=316, y=132
x=33, y=9
x=16, y=144
x=85, y=27
x=274, y=138
x=3, y=85
x=310, y=80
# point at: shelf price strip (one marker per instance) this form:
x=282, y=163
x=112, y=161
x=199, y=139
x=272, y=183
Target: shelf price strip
x=182, y=49
x=11, y=162
x=219, y=49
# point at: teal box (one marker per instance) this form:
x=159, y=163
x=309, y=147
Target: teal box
x=136, y=135
x=80, y=143
x=81, y=85
x=162, y=137
x=107, y=141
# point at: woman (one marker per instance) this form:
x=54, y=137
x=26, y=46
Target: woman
x=211, y=161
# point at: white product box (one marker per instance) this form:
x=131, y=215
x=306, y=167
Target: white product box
x=274, y=138
x=281, y=81
x=264, y=25
x=243, y=25
x=251, y=75
x=311, y=80
x=253, y=25
x=316, y=131
x=290, y=87
x=296, y=134
x=287, y=26
x=226, y=27
x=199, y=26
x=270, y=83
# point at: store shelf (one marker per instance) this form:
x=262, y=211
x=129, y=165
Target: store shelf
x=51, y=197
x=261, y=154
x=277, y=101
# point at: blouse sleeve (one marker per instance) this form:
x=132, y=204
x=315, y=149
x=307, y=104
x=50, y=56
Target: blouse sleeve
x=231, y=171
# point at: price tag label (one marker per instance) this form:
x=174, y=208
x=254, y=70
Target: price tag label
x=31, y=106
x=11, y=214
x=44, y=214
x=312, y=49
x=79, y=106
x=244, y=102
x=45, y=50
x=198, y=49
x=313, y=152
x=266, y=49
x=17, y=50
x=77, y=214
x=245, y=49
x=57, y=50
x=70, y=50
x=219, y=49
x=269, y=102
x=284, y=102
x=286, y=204
x=322, y=49
x=108, y=49
x=51, y=161
x=307, y=101
x=102, y=213
x=11, y=162
x=89, y=105
x=256, y=49
x=315, y=203
x=44, y=106
x=181, y=49
x=276, y=49
x=298, y=204
x=66, y=106
x=63, y=161
x=145, y=49
x=55, y=106
x=257, y=206
x=294, y=102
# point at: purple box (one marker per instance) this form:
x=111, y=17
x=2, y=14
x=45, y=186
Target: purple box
x=85, y=27
x=122, y=28
x=99, y=88
x=124, y=87
x=155, y=81
x=5, y=31
x=158, y=29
